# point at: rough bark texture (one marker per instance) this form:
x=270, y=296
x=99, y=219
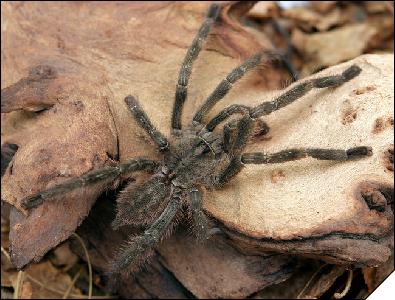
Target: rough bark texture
x=318, y=207
x=217, y=270
x=63, y=87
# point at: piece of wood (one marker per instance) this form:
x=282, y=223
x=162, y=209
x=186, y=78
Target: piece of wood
x=319, y=207
x=216, y=270
x=63, y=87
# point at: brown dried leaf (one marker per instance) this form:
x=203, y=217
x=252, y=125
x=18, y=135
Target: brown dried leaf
x=37, y=281
x=303, y=16
x=376, y=6
x=324, y=49
x=323, y=7
x=52, y=280
x=63, y=257
x=330, y=20
x=265, y=9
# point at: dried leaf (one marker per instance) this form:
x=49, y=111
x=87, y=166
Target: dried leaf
x=37, y=281
x=63, y=257
x=302, y=15
x=330, y=20
x=265, y=9
x=323, y=6
x=54, y=283
x=324, y=49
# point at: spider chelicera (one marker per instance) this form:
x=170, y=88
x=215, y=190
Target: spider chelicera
x=195, y=157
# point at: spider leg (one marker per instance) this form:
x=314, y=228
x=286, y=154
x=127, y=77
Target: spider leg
x=287, y=98
x=225, y=113
x=88, y=178
x=201, y=227
x=229, y=133
x=243, y=129
x=301, y=89
x=236, y=134
x=143, y=120
x=234, y=141
x=225, y=85
x=139, y=248
x=295, y=154
x=234, y=167
x=186, y=67
x=238, y=162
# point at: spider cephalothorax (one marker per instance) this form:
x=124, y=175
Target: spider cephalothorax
x=197, y=156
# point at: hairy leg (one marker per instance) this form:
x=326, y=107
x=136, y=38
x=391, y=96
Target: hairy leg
x=88, y=178
x=303, y=88
x=229, y=134
x=226, y=113
x=234, y=167
x=235, y=139
x=225, y=85
x=236, y=134
x=145, y=122
x=186, y=67
x=200, y=226
x=238, y=162
x=287, y=98
x=243, y=131
x=295, y=154
x=139, y=248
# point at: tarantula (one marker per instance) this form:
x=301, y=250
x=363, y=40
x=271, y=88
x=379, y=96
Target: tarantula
x=196, y=156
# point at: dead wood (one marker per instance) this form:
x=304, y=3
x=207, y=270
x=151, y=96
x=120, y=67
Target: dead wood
x=63, y=86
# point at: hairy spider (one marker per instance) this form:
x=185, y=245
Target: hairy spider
x=196, y=156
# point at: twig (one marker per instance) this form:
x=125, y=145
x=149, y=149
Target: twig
x=310, y=280
x=5, y=253
x=66, y=294
x=63, y=292
x=89, y=264
x=346, y=288
x=18, y=285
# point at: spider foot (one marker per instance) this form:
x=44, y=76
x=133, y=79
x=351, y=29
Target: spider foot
x=359, y=152
x=351, y=72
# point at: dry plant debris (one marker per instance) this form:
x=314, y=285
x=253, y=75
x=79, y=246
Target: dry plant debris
x=64, y=85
